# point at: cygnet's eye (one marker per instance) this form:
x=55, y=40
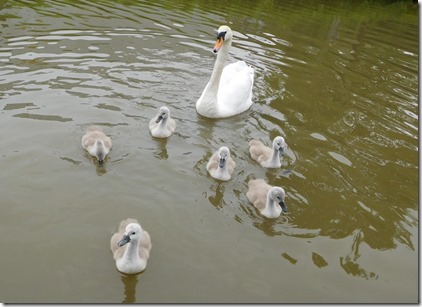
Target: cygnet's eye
x=133, y=232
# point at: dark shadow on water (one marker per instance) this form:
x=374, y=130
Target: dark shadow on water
x=129, y=282
x=349, y=262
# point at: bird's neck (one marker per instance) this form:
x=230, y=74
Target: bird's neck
x=275, y=158
x=131, y=254
x=163, y=122
x=209, y=103
x=222, y=56
x=272, y=209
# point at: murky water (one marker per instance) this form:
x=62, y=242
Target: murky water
x=339, y=80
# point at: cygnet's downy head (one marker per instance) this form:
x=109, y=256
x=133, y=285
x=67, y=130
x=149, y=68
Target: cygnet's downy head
x=277, y=194
x=224, y=33
x=133, y=232
x=223, y=154
x=164, y=113
x=279, y=144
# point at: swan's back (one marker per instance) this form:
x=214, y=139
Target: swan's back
x=93, y=134
x=235, y=89
x=257, y=193
x=259, y=152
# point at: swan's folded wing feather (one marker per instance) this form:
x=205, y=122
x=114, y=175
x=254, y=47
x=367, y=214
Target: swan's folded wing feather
x=145, y=245
x=257, y=193
x=107, y=142
x=259, y=151
x=117, y=250
x=235, y=88
x=171, y=124
x=231, y=165
x=213, y=162
x=88, y=140
x=152, y=123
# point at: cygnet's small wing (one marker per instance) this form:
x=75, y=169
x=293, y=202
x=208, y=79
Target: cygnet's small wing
x=171, y=124
x=213, y=163
x=259, y=152
x=231, y=165
x=117, y=250
x=145, y=245
x=257, y=193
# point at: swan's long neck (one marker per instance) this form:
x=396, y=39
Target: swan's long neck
x=222, y=56
x=271, y=210
x=208, y=101
x=131, y=253
x=275, y=157
x=163, y=122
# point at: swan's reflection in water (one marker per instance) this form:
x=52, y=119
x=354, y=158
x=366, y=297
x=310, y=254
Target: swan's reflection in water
x=217, y=199
x=350, y=264
x=161, y=150
x=129, y=282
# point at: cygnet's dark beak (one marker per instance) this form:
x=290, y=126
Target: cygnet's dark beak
x=159, y=118
x=283, y=206
x=281, y=151
x=100, y=162
x=124, y=240
x=222, y=162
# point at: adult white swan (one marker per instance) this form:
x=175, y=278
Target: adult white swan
x=229, y=91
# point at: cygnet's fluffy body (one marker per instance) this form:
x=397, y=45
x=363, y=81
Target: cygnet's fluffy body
x=130, y=246
x=267, y=199
x=266, y=156
x=96, y=143
x=162, y=125
x=221, y=165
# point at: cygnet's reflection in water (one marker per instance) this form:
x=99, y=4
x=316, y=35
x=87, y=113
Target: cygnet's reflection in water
x=100, y=168
x=217, y=199
x=129, y=282
x=161, y=151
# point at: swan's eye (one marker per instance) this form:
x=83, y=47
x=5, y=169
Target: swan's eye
x=133, y=232
x=221, y=35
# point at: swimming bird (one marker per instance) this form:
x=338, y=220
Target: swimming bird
x=130, y=246
x=266, y=156
x=221, y=165
x=96, y=143
x=267, y=199
x=162, y=125
x=229, y=90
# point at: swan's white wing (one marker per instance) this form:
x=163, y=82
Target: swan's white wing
x=235, y=89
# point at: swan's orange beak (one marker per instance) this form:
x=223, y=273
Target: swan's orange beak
x=218, y=44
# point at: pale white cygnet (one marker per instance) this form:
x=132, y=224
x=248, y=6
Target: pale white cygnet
x=162, y=125
x=267, y=199
x=130, y=246
x=96, y=143
x=266, y=156
x=221, y=165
